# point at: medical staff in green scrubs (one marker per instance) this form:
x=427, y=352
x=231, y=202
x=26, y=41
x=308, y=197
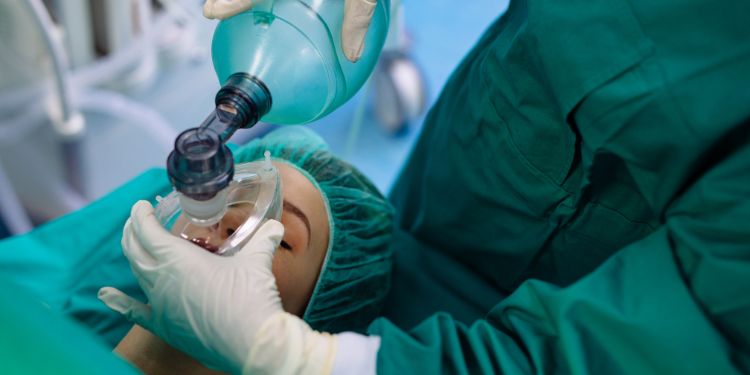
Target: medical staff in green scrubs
x=578, y=202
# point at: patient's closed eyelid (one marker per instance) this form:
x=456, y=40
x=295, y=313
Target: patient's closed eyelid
x=297, y=228
x=294, y=210
x=285, y=245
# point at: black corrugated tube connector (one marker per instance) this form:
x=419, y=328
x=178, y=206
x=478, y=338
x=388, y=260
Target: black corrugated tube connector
x=201, y=164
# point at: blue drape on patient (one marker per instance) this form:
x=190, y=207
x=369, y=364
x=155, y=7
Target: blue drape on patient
x=64, y=262
x=37, y=340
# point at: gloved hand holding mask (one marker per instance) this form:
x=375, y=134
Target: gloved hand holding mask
x=210, y=289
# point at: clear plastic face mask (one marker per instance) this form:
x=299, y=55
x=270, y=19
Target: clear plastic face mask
x=253, y=197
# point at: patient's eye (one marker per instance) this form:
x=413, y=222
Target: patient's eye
x=285, y=245
x=230, y=231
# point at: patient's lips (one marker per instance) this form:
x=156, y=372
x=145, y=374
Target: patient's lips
x=202, y=242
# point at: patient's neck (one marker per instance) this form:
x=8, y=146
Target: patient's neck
x=155, y=357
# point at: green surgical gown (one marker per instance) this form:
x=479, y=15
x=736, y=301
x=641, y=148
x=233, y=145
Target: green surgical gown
x=579, y=198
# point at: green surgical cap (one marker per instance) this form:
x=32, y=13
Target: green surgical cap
x=355, y=276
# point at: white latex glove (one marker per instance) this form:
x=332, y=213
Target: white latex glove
x=357, y=17
x=224, y=311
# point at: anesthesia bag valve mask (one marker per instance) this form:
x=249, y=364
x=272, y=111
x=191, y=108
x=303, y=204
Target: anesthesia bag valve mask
x=201, y=166
x=286, y=50
x=223, y=223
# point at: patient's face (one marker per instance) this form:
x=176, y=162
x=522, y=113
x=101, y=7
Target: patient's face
x=298, y=259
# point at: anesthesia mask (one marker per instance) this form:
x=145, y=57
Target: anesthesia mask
x=251, y=198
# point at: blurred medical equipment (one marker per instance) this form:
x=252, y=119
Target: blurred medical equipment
x=397, y=89
x=68, y=59
x=398, y=84
x=65, y=119
x=282, y=61
x=252, y=198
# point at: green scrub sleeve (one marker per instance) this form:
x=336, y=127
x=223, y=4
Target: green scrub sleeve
x=673, y=302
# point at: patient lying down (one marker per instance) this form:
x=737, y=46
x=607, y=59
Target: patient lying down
x=336, y=231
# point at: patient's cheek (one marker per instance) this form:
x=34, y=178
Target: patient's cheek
x=277, y=267
x=284, y=281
